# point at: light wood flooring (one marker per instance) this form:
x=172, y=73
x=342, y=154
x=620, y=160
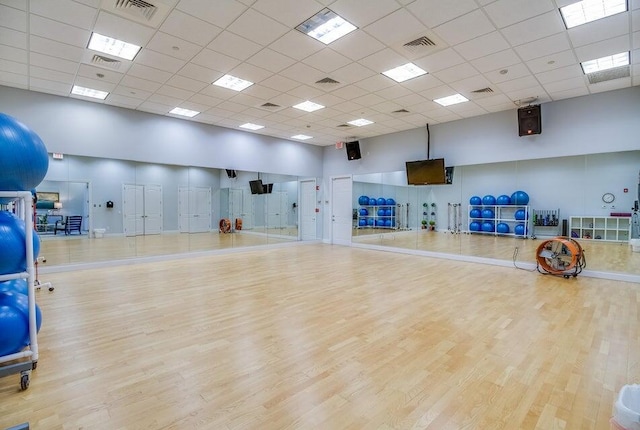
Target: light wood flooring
x=326, y=337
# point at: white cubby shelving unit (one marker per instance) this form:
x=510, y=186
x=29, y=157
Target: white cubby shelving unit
x=379, y=221
x=607, y=228
x=502, y=214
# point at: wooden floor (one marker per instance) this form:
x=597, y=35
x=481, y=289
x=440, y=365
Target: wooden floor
x=325, y=337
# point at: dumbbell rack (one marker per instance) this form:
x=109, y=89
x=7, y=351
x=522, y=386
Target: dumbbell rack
x=27, y=358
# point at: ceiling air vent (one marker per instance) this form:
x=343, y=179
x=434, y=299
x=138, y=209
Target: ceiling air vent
x=423, y=43
x=107, y=62
x=400, y=111
x=609, y=75
x=482, y=91
x=271, y=107
x=419, y=42
x=343, y=126
x=139, y=8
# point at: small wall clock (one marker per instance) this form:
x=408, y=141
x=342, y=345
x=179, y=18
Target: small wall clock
x=608, y=197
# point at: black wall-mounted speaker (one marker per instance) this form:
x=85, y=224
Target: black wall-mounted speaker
x=529, y=120
x=353, y=150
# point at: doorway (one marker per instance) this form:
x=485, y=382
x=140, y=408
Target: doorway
x=142, y=209
x=341, y=211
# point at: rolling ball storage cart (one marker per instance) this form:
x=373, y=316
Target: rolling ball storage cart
x=24, y=357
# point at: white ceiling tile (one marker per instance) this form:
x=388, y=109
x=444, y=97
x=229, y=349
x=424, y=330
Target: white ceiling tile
x=189, y=28
x=174, y=47
x=165, y=99
x=280, y=83
x=369, y=99
x=135, y=93
x=51, y=75
x=398, y=27
x=383, y=60
x=327, y=100
x=515, y=71
x=361, y=13
x=122, y=29
x=466, y=86
x=13, y=38
x=16, y=4
x=202, y=99
x=250, y=73
x=14, y=80
x=422, y=83
x=435, y=12
x=289, y=12
x=187, y=84
x=59, y=32
x=296, y=45
x=50, y=86
x=560, y=74
x=271, y=60
x=465, y=28
x=615, y=84
x=574, y=92
x=536, y=28
x=518, y=84
x=350, y=92
x=566, y=84
x=56, y=49
x=326, y=60
x=159, y=61
x=140, y=84
x=595, y=31
x=410, y=100
x=375, y=82
x=157, y=108
x=122, y=101
x=199, y=73
x=149, y=73
x=358, y=45
x=65, y=11
x=220, y=13
x=53, y=63
x=261, y=92
x=440, y=60
x=14, y=67
x=393, y=92
x=13, y=18
x=547, y=46
x=260, y=28
x=635, y=43
x=95, y=84
x=483, y=45
x=305, y=92
x=494, y=100
x=215, y=61
x=352, y=73
x=521, y=94
x=506, y=12
x=302, y=73
x=498, y=60
x=552, y=61
x=89, y=71
x=234, y=46
x=456, y=73
x=603, y=48
x=438, y=92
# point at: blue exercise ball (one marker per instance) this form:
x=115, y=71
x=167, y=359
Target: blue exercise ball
x=520, y=230
x=370, y=221
x=475, y=201
x=488, y=213
x=519, y=198
x=379, y=223
x=14, y=322
x=363, y=200
x=15, y=285
x=24, y=161
x=362, y=222
x=13, y=258
x=387, y=212
x=475, y=226
x=503, y=200
x=387, y=223
x=502, y=227
x=364, y=212
x=381, y=212
x=391, y=202
x=381, y=201
x=475, y=213
x=488, y=226
x=372, y=201
x=488, y=200
x=520, y=214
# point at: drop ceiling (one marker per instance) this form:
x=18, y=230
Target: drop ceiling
x=498, y=54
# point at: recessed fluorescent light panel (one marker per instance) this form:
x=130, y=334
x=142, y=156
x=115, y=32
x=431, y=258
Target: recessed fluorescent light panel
x=360, y=122
x=88, y=92
x=326, y=26
x=308, y=106
x=184, y=112
x=301, y=137
x=114, y=47
x=250, y=126
x=605, y=63
x=590, y=10
x=404, y=73
x=232, y=83
x=451, y=100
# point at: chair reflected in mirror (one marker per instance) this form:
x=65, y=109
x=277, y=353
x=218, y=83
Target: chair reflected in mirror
x=70, y=224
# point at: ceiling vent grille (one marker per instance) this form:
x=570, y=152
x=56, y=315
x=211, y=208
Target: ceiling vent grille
x=420, y=42
x=107, y=62
x=139, y=8
x=609, y=75
x=271, y=107
x=423, y=43
x=343, y=126
x=327, y=82
x=482, y=91
x=400, y=111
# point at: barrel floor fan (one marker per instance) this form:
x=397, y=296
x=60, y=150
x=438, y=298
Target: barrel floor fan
x=560, y=256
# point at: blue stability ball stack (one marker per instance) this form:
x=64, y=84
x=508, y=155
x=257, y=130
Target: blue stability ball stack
x=14, y=322
x=502, y=227
x=520, y=229
x=370, y=221
x=475, y=226
x=362, y=222
x=363, y=200
x=364, y=212
x=520, y=214
x=519, y=198
x=13, y=258
x=475, y=201
x=388, y=212
x=488, y=200
x=381, y=201
x=475, y=213
x=15, y=286
x=372, y=201
x=488, y=213
x=381, y=212
x=391, y=202
x=488, y=226
x=503, y=200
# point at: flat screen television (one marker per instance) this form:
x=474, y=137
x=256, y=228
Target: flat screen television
x=267, y=188
x=256, y=186
x=426, y=172
x=231, y=173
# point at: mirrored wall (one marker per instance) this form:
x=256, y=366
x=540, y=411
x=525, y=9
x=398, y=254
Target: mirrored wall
x=92, y=210
x=564, y=191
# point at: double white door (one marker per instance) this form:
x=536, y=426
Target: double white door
x=142, y=209
x=194, y=209
x=277, y=209
x=241, y=206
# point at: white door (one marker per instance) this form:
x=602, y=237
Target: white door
x=277, y=209
x=241, y=206
x=341, y=211
x=184, y=213
x=152, y=209
x=133, y=209
x=307, y=210
x=194, y=210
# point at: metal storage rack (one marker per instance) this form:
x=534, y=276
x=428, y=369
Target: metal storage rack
x=503, y=214
x=546, y=222
x=27, y=359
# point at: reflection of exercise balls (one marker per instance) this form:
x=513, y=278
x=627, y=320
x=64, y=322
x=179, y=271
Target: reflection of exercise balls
x=372, y=201
x=520, y=229
x=24, y=161
x=363, y=200
x=362, y=222
x=387, y=212
x=14, y=322
x=15, y=285
x=387, y=223
x=381, y=212
x=370, y=221
x=475, y=201
x=488, y=213
x=503, y=200
x=488, y=226
x=379, y=223
x=364, y=212
x=391, y=202
x=488, y=200
x=381, y=201
x=475, y=226
x=13, y=258
x=520, y=214
x=475, y=213
x=519, y=198
x=502, y=227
